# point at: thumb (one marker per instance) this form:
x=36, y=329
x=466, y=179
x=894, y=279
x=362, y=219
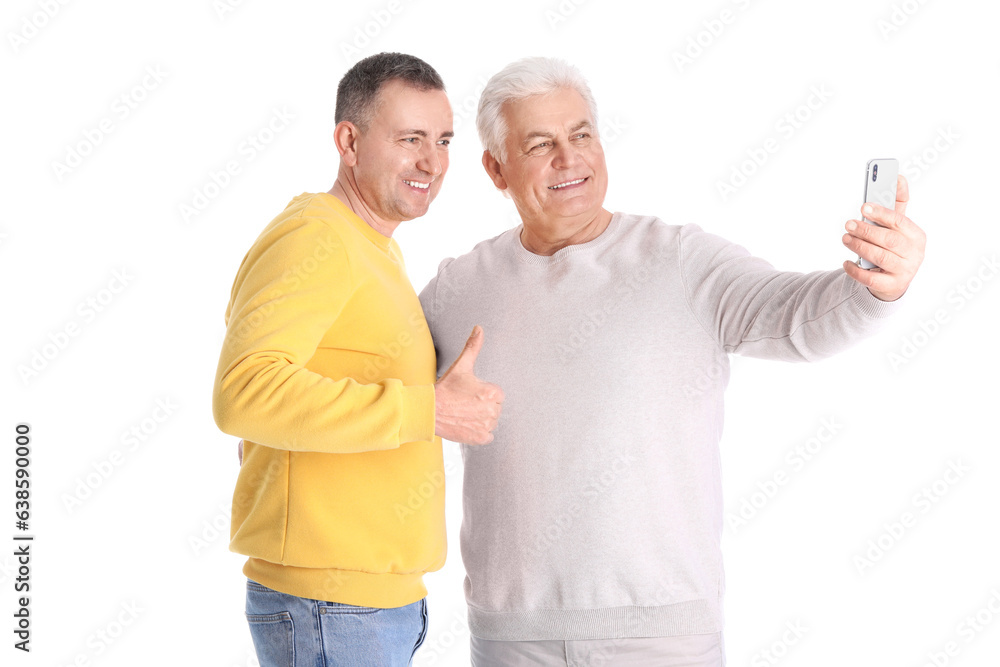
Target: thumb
x=467, y=359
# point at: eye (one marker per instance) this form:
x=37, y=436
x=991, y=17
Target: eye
x=582, y=135
x=445, y=142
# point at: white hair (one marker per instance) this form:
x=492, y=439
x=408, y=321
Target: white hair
x=518, y=80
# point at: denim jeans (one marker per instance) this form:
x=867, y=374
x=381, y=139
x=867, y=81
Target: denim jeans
x=289, y=631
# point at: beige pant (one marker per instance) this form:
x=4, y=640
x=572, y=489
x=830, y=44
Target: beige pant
x=681, y=651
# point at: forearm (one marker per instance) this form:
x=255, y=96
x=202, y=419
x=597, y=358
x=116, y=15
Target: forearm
x=811, y=317
x=753, y=309
x=269, y=401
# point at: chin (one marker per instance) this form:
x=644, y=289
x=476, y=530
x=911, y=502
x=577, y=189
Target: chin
x=571, y=209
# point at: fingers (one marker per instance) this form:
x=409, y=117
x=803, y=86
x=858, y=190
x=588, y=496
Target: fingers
x=492, y=393
x=880, y=257
x=883, y=237
x=883, y=247
x=466, y=361
x=467, y=409
x=873, y=279
x=886, y=217
x=902, y=195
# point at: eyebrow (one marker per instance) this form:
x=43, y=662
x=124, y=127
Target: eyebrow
x=422, y=133
x=539, y=134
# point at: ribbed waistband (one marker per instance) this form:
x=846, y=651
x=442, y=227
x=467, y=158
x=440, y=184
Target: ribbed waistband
x=684, y=618
x=362, y=589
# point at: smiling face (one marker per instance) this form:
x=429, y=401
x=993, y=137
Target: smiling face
x=555, y=170
x=402, y=157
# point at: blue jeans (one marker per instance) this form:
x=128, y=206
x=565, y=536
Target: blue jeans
x=289, y=631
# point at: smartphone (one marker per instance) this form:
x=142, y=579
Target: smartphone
x=880, y=188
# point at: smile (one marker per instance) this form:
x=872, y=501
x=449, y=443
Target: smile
x=566, y=184
x=415, y=184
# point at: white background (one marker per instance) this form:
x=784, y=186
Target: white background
x=898, y=76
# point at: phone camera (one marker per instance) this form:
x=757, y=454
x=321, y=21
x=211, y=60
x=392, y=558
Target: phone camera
x=874, y=173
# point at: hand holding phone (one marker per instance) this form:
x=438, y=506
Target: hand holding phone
x=894, y=239
x=880, y=188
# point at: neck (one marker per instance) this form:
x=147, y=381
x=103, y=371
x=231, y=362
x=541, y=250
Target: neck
x=345, y=188
x=547, y=237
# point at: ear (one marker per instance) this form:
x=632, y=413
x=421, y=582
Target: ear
x=493, y=168
x=345, y=136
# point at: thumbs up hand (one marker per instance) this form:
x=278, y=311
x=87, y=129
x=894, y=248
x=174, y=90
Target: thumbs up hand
x=466, y=408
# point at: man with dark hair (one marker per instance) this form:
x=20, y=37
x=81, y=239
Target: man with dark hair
x=357, y=93
x=328, y=374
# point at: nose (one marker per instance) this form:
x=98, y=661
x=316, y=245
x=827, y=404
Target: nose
x=430, y=161
x=564, y=156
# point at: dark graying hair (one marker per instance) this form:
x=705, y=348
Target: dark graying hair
x=358, y=92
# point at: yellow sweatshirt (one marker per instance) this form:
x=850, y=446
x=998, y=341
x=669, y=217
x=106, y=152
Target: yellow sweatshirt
x=327, y=373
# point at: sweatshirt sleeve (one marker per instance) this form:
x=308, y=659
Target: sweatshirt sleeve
x=292, y=286
x=753, y=309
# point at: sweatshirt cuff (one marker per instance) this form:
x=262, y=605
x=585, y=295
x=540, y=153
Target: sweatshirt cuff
x=418, y=414
x=872, y=306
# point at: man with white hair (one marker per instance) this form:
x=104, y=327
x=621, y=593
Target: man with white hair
x=592, y=523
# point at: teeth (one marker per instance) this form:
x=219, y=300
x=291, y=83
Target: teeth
x=422, y=186
x=562, y=185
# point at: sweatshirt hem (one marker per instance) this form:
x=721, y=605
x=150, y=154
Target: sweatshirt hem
x=381, y=590
x=684, y=618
